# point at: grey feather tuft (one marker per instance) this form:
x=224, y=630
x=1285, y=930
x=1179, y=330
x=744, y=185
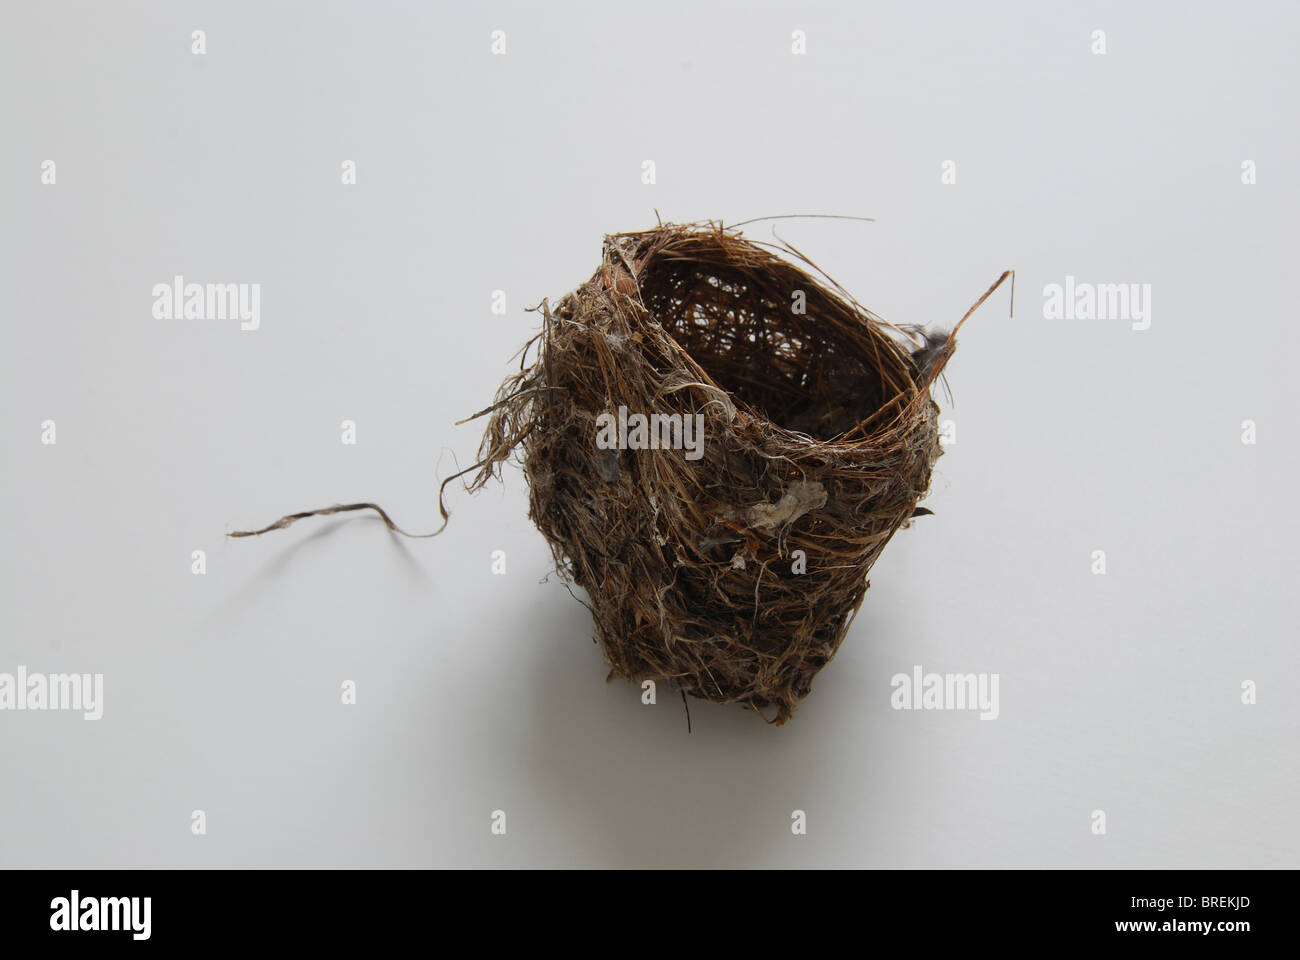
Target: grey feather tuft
x=933, y=353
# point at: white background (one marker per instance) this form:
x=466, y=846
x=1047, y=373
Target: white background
x=477, y=172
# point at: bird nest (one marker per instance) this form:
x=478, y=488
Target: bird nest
x=718, y=447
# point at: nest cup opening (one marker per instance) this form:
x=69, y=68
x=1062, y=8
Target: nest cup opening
x=795, y=354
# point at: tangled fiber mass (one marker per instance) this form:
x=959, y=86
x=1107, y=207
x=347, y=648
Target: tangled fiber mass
x=736, y=575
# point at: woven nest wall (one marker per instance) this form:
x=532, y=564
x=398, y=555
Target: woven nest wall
x=732, y=572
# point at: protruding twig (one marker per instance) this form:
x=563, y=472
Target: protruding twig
x=951, y=342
